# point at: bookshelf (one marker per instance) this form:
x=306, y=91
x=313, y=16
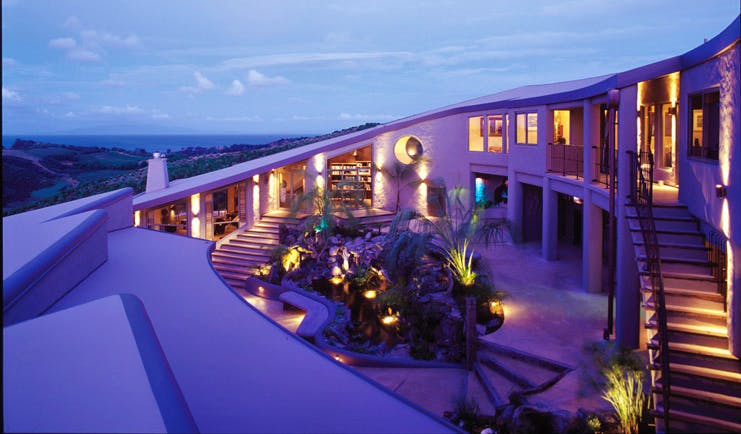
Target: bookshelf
x=350, y=182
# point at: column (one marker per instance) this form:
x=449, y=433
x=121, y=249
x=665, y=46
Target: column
x=514, y=206
x=627, y=295
x=591, y=246
x=550, y=221
x=587, y=120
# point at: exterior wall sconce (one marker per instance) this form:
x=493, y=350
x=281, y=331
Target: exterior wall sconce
x=672, y=110
x=720, y=190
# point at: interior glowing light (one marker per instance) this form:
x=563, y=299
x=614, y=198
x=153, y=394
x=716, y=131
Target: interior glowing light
x=195, y=204
x=256, y=179
x=319, y=162
x=137, y=218
x=577, y=200
x=195, y=227
x=370, y=294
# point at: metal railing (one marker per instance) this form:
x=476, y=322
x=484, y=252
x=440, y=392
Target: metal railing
x=601, y=166
x=566, y=160
x=716, y=241
x=641, y=197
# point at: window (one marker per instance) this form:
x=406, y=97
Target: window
x=497, y=132
x=527, y=128
x=476, y=133
x=704, y=121
x=561, y=127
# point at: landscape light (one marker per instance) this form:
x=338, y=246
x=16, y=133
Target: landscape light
x=370, y=294
x=720, y=190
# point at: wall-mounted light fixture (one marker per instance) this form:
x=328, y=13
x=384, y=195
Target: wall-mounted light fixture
x=720, y=190
x=672, y=110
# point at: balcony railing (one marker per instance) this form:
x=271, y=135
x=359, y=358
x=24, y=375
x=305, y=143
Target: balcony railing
x=566, y=160
x=602, y=166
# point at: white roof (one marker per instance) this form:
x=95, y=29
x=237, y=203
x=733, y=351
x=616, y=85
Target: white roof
x=238, y=370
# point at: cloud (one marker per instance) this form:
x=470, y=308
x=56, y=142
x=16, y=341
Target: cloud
x=112, y=82
x=63, y=43
x=127, y=109
x=258, y=79
x=72, y=96
x=95, y=38
x=365, y=117
x=10, y=95
x=236, y=89
x=84, y=55
x=255, y=118
x=202, y=83
x=72, y=22
x=304, y=58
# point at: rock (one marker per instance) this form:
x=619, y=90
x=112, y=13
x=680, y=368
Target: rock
x=539, y=419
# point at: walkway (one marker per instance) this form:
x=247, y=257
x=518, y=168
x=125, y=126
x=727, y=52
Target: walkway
x=546, y=314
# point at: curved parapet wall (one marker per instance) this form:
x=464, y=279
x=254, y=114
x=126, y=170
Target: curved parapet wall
x=49, y=274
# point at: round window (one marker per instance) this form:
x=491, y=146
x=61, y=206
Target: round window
x=408, y=149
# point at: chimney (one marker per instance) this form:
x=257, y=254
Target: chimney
x=157, y=177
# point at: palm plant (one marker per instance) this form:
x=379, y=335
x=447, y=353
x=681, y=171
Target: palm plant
x=624, y=390
x=398, y=172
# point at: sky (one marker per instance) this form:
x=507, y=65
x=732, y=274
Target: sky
x=311, y=67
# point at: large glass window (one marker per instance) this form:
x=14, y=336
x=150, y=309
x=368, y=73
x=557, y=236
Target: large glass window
x=527, y=128
x=225, y=213
x=704, y=121
x=476, y=133
x=497, y=133
x=562, y=127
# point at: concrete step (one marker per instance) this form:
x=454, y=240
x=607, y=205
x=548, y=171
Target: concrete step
x=730, y=389
x=495, y=397
x=685, y=421
x=688, y=310
x=703, y=270
x=691, y=328
x=237, y=255
x=259, y=229
x=668, y=225
x=671, y=299
x=708, y=367
x=684, y=347
x=260, y=243
x=661, y=211
x=676, y=254
x=250, y=263
x=697, y=288
x=228, y=274
x=704, y=413
x=249, y=249
x=237, y=284
x=288, y=221
x=257, y=235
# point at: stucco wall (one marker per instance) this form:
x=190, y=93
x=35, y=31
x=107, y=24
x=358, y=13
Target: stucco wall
x=699, y=177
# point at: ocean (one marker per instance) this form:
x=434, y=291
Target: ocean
x=151, y=142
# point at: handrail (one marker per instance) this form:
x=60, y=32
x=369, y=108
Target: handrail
x=566, y=159
x=641, y=197
x=718, y=258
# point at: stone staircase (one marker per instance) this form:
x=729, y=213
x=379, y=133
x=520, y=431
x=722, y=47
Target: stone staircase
x=242, y=255
x=502, y=370
x=705, y=378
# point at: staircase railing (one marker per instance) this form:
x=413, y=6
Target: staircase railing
x=718, y=257
x=641, y=197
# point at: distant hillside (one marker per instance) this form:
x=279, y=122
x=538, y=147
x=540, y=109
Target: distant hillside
x=36, y=174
